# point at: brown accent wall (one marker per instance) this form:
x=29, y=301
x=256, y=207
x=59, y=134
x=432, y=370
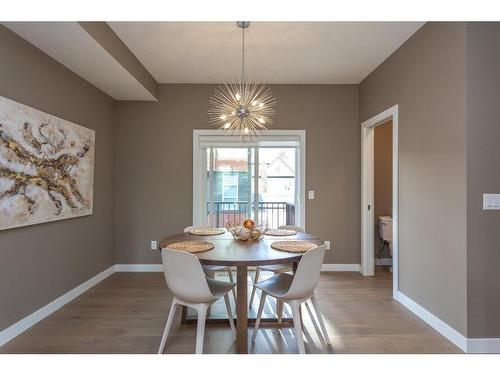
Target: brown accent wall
x=41, y=262
x=154, y=164
x=382, y=147
x=426, y=78
x=483, y=176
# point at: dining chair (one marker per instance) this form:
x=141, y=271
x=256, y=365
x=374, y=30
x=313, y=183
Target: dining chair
x=295, y=290
x=211, y=270
x=190, y=286
x=276, y=269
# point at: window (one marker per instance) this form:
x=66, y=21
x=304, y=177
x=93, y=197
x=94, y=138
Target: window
x=235, y=180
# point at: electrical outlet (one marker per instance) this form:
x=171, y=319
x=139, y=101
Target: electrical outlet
x=310, y=194
x=327, y=243
x=154, y=245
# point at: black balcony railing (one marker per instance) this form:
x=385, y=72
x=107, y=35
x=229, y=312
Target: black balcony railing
x=273, y=214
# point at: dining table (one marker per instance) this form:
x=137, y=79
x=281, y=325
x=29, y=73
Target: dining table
x=228, y=251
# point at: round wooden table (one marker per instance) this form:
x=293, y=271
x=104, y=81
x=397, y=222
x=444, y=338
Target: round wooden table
x=242, y=254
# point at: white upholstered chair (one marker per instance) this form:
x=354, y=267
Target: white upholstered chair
x=190, y=286
x=276, y=269
x=211, y=270
x=295, y=290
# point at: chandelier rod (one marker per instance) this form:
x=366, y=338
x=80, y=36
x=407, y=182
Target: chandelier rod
x=242, y=54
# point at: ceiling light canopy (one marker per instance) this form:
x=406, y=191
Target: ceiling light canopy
x=244, y=108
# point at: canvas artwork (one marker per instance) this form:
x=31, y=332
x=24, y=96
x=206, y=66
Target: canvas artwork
x=46, y=167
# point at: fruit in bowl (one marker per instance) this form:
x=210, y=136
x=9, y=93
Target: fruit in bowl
x=242, y=232
x=249, y=224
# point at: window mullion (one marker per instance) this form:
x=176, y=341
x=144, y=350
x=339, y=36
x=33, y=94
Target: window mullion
x=256, y=185
x=211, y=188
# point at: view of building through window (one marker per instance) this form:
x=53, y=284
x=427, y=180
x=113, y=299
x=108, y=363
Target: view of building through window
x=231, y=186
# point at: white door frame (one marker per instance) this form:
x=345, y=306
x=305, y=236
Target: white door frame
x=367, y=193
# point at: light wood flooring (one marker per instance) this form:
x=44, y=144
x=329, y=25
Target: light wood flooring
x=126, y=313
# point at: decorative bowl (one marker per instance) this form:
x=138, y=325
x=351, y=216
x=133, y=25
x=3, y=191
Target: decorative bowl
x=240, y=232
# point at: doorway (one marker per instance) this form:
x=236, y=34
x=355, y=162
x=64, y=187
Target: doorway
x=382, y=200
x=369, y=211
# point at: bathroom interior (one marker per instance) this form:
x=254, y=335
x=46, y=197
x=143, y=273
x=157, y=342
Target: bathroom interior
x=383, y=196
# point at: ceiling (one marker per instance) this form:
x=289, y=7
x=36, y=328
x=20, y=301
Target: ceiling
x=276, y=52
x=72, y=46
x=210, y=52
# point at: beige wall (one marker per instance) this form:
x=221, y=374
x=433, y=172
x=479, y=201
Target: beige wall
x=41, y=262
x=382, y=147
x=154, y=164
x=483, y=176
x=449, y=247
x=426, y=78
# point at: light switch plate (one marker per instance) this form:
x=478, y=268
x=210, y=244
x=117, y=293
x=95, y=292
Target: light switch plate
x=154, y=245
x=491, y=201
x=327, y=243
x=310, y=194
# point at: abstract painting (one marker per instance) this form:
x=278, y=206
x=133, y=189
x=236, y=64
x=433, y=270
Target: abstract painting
x=46, y=167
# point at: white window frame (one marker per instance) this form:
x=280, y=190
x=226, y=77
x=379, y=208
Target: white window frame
x=216, y=137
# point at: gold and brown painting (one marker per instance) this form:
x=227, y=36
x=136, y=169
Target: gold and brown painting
x=46, y=167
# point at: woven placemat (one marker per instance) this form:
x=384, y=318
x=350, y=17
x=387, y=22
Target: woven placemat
x=206, y=231
x=192, y=246
x=293, y=246
x=281, y=232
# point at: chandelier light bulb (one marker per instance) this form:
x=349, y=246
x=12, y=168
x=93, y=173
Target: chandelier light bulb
x=244, y=107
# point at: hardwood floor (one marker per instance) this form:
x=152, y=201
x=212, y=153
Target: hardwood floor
x=126, y=313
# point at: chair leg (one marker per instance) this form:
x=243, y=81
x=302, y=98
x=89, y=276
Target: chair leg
x=279, y=311
x=230, y=314
x=167, y=326
x=231, y=279
x=259, y=315
x=200, y=329
x=297, y=326
x=212, y=276
x=255, y=281
x=309, y=308
x=320, y=320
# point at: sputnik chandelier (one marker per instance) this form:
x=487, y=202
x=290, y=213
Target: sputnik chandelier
x=243, y=108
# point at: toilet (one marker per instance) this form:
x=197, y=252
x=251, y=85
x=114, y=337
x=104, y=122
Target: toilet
x=385, y=232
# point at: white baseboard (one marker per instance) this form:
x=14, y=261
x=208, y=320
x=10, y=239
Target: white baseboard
x=450, y=333
x=383, y=261
x=333, y=267
x=17, y=328
x=483, y=345
x=479, y=345
x=138, y=267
